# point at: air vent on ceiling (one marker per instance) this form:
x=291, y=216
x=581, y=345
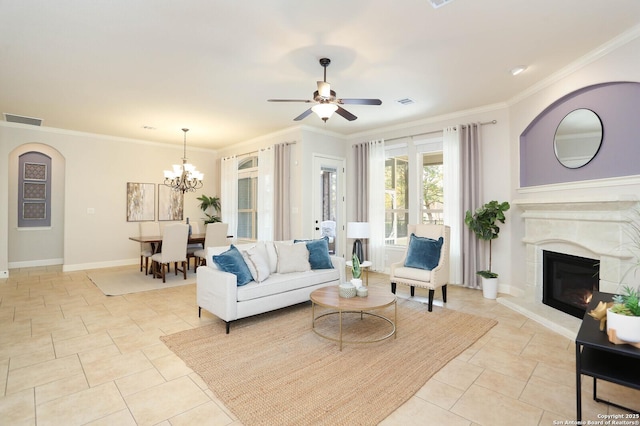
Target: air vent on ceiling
x=12, y=118
x=438, y=3
x=406, y=101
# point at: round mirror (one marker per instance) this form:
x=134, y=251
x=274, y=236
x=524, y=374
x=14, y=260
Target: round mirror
x=578, y=138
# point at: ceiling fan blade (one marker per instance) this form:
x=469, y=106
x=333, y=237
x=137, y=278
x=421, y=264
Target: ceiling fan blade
x=324, y=89
x=303, y=115
x=346, y=114
x=307, y=101
x=360, y=101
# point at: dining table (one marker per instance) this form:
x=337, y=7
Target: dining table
x=156, y=240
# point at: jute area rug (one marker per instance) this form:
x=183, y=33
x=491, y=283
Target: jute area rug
x=272, y=369
x=126, y=280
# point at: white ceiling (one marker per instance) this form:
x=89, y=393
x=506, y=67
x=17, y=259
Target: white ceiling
x=115, y=66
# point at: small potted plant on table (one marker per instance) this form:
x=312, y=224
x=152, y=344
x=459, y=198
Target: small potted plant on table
x=623, y=317
x=483, y=223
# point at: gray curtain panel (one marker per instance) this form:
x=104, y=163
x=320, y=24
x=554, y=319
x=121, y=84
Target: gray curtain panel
x=361, y=196
x=281, y=199
x=472, y=249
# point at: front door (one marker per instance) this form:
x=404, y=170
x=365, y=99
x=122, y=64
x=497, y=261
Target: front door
x=328, y=201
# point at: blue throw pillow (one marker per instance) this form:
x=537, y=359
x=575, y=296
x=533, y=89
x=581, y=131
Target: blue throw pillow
x=318, y=253
x=232, y=261
x=423, y=253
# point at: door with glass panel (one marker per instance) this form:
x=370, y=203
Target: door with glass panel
x=328, y=201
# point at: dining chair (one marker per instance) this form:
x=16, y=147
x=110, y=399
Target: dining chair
x=426, y=261
x=215, y=236
x=192, y=248
x=147, y=229
x=174, y=250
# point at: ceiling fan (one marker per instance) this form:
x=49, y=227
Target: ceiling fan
x=326, y=102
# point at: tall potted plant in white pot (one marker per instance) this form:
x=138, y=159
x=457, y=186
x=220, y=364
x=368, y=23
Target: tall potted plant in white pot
x=483, y=223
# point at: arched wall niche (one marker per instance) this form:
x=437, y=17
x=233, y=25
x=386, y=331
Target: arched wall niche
x=617, y=104
x=44, y=245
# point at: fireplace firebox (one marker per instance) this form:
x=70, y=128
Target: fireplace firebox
x=569, y=282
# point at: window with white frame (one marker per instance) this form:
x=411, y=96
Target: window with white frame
x=396, y=198
x=431, y=196
x=248, y=198
x=413, y=187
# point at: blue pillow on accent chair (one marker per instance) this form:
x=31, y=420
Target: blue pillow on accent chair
x=423, y=253
x=318, y=253
x=232, y=261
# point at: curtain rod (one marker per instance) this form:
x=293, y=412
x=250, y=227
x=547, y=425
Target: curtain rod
x=433, y=132
x=253, y=152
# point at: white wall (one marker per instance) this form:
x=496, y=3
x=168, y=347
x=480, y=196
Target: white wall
x=620, y=63
x=97, y=171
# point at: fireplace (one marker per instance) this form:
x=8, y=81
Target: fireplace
x=568, y=282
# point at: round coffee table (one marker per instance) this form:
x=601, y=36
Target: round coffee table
x=328, y=297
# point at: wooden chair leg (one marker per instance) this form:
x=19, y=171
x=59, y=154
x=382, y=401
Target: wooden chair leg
x=431, y=293
x=444, y=293
x=413, y=291
x=184, y=269
x=146, y=266
x=164, y=280
x=175, y=266
x=393, y=288
x=141, y=263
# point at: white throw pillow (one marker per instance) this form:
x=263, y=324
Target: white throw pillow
x=257, y=264
x=292, y=257
x=272, y=255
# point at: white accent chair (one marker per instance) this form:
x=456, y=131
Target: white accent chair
x=147, y=229
x=174, y=249
x=415, y=277
x=215, y=236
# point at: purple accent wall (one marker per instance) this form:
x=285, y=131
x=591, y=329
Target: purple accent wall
x=618, y=106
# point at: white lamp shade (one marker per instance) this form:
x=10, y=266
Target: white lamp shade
x=324, y=110
x=357, y=230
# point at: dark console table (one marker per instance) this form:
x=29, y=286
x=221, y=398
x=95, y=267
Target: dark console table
x=601, y=359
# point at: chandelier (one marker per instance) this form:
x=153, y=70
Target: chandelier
x=183, y=177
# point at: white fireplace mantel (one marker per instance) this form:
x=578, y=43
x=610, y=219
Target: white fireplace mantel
x=590, y=227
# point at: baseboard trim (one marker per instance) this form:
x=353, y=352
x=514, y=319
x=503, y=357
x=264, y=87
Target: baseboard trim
x=35, y=263
x=100, y=265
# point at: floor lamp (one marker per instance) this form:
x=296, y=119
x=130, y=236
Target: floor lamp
x=357, y=231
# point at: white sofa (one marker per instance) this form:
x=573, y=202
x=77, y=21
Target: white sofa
x=218, y=292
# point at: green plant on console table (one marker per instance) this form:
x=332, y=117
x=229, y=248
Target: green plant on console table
x=483, y=223
x=356, y=271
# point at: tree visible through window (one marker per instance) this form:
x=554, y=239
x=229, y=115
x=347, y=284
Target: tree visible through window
x=248, y=198
x=432, y=191
x=396, y=199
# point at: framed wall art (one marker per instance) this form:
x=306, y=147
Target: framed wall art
x=170, y=203
x=141, y=201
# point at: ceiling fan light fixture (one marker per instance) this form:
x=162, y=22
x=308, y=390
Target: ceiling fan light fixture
x=324, y=111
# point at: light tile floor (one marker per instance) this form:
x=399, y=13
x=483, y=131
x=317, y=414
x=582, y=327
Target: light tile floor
x=71, y=356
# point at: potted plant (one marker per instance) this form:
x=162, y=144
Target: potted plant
x=623, y=317
x=207, y=203
x=483, y=223
x=356, y=271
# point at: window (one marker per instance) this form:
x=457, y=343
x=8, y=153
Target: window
x=413, y=187
x=431, y=189
x=248, y=198
x=34, y=192
x=396, y=199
